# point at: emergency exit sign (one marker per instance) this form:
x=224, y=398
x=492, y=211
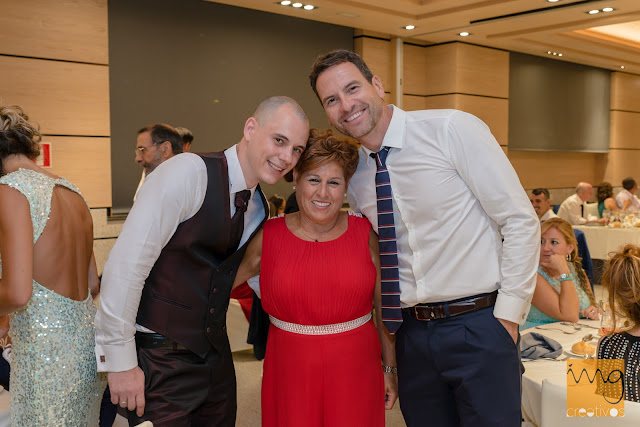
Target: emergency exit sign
x=44, y=160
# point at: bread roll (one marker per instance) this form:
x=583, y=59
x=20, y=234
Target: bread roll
x=583, y=348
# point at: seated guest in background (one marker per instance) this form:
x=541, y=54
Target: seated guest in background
x=622, y=280
x=542, y=204
x=562, y=288
x=278, y=203
x=323, y=361
x=626, y=198
x=187, y=138
x=605, y=198
x=574, y=208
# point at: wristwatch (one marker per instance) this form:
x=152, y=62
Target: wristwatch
x=389, y=369
x=565, y=276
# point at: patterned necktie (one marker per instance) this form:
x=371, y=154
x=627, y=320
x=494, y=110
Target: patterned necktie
x=237, y=222
x=390, y=283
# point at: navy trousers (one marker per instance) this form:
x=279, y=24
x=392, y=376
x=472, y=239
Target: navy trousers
x=460, y=371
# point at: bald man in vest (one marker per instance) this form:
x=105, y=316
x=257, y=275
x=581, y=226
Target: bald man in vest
x=161, y=323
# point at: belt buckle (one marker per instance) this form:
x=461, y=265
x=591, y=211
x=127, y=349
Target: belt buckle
x=435, y=312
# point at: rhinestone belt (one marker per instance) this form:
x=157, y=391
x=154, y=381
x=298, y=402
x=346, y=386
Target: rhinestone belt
x=335, y=328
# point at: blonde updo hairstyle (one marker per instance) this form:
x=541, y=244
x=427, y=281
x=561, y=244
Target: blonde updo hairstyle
x=621, y=279
x=17, y=134
x=324, y=147
x=567, y=232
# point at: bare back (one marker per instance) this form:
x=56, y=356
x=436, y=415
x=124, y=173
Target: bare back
x=62, y=232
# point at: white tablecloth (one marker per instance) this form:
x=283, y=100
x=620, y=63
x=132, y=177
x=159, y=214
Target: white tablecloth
x=603, y=240
x=552, y=370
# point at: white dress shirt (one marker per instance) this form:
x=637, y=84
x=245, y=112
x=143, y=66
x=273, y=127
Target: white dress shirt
x=456, y=196
x=548, y=215
x=170, y=195
x=574, y=210
x=625, y=195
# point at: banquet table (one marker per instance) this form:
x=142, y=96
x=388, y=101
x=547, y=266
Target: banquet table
x=552, y=370
x=602, y=240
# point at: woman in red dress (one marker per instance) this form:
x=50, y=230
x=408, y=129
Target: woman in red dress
x=319, y=278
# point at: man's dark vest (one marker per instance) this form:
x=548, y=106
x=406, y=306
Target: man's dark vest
x=186, y=296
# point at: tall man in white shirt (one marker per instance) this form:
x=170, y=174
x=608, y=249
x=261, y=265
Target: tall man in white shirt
x=574, y=208
x=160, y=326
x=541, y=203
x=467, y=247
x=627, y=198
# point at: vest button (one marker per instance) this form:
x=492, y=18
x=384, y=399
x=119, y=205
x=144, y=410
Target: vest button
x=211, y=310
x=208, y=330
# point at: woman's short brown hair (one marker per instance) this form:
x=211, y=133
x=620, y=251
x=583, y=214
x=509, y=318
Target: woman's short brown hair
x=17, y=134
x=325, y=147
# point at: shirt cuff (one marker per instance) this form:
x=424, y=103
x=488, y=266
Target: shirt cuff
x=116, y=358
x=511, y=308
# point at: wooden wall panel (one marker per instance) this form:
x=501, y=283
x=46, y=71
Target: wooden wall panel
x=482, y=71
x=621, y=164
x=493, y=111
x=441, y=102
x=413, y=103
x=64, y=98
x=440, y=69
x=377, y=54
x=72, y=30
x=625, y=92
x=415, y=63
x=625, y=128
x=556, y=170
x=86, y=162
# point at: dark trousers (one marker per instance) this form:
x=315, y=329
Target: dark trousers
x=460, y=371
x=184, y=390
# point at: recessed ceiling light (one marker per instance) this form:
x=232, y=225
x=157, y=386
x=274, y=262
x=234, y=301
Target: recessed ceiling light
x=607, y=9
x=464, y=34
x=409, y=27
x=559, y=54
x=593, y=12
x=285, y=2
x=309, y=7
x=622, y=67
x=297, y=5
x=552, y=1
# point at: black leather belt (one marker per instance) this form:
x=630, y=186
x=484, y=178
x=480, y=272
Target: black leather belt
x=428, y=312
x=152, y=340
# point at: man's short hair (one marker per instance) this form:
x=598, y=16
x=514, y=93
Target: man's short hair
x=337, y=57
x=628, y=183
x=161, y=132
x=273, y=103
x=539, y=191
x=185, y=134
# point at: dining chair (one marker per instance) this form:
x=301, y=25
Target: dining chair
x=554, y=411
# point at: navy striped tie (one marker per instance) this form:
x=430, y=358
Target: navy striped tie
x=390, y=283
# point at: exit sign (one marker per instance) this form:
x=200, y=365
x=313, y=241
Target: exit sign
x=44, y=160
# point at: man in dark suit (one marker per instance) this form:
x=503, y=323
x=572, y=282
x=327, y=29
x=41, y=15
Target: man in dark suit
x=160, y=327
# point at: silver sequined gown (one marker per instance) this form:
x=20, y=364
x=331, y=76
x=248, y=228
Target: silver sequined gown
x=53, y=372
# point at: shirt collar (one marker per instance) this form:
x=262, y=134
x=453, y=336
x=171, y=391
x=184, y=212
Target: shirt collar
x=237, y=182
x=394, y=137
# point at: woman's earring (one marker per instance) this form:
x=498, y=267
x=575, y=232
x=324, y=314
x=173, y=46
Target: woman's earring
x=568, y=257
x=294, y=188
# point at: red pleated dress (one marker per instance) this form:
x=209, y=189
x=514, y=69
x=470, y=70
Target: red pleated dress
x=320, y=380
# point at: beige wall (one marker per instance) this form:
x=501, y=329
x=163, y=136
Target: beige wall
x=475, y=79
x=54, y=62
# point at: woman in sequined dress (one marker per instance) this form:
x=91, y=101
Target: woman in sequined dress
x=622, y=281
x=562, y=289
x=47, y=268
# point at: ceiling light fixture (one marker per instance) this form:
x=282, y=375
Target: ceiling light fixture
x=608, y=9
x=622, y=67
x=285, y=2
x=549, y=52
x=464, y=34
x=593, y=12
x=297, y=5
x=409, y=27
x=552, y=1
x=309, y=7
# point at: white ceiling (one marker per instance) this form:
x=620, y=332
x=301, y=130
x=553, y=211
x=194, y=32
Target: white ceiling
x=607, y=40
